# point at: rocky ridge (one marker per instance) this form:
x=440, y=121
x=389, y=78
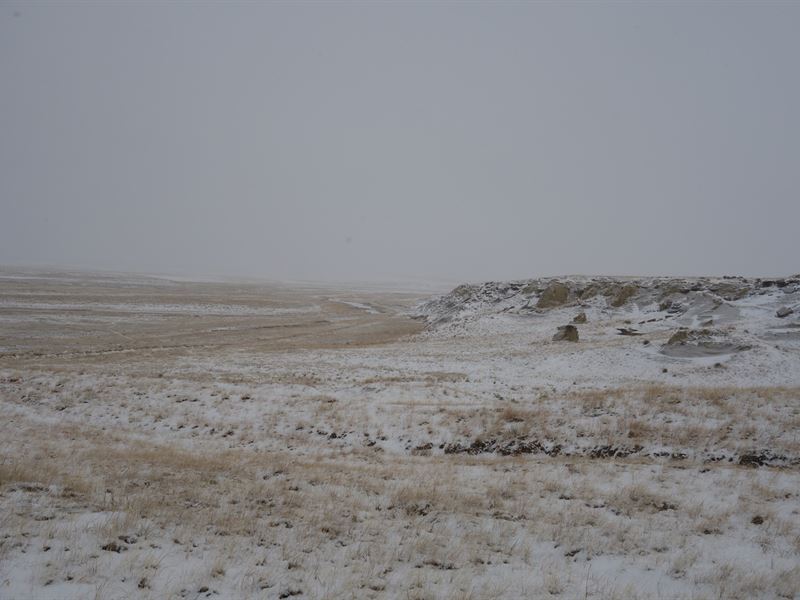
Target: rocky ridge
x=705, y=316
x=670, y=294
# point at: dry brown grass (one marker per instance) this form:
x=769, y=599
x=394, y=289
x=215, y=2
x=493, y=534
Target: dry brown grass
x=227, y=497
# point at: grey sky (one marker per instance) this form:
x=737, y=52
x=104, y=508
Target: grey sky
x=377, y=141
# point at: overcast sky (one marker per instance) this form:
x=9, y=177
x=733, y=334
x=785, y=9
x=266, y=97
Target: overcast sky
x=372, y=141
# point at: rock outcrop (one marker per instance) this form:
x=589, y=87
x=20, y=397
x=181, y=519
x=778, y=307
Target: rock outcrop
x=624, y=294
x=708, y=299
x=556, y=294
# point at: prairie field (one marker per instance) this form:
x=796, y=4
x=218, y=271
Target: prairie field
x=162, y=438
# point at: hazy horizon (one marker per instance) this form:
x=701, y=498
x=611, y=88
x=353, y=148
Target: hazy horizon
x=434, y=283
x=398, y=141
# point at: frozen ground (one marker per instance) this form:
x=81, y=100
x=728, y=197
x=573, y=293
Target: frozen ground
x=171, y=439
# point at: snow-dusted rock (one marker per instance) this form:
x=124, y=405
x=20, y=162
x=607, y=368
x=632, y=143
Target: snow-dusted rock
x=566, y=333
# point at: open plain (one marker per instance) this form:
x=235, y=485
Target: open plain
x=175, y=439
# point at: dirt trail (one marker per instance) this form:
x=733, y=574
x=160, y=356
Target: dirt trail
x=40, y=321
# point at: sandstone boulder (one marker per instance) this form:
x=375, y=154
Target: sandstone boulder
x=566, y=333
x=679, y=337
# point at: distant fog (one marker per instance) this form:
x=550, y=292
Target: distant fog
x=380, y=141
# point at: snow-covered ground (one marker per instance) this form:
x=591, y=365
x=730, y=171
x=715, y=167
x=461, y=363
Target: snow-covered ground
x=170, y=439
